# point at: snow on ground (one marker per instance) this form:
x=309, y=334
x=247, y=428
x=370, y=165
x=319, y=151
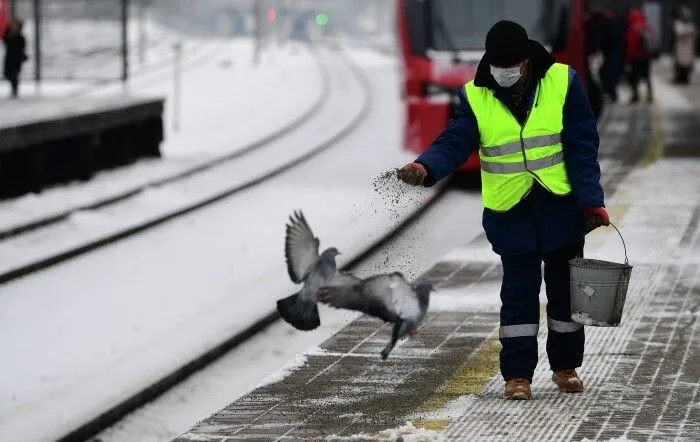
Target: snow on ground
x=221, y=113
x=406, y=433
x=452, y=410
x=614, y=439
x=346, y=101
x=80, y=61
x=453, y=299
x=254, y=362
x=91, y=50
x=288, y=368
x=281, y=346
x=126, y=315
x=656, y=218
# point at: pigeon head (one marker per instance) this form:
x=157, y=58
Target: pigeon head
x=329, y=254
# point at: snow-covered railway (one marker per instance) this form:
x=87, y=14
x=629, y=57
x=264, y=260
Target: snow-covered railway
x=342, y=106
x=149, y=304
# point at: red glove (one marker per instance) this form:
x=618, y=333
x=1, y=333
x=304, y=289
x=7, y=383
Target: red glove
x=412, y=173
x=596, y=217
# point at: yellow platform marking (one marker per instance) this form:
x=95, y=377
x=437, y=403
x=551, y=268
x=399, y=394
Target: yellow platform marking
x=471, y=378
x=657, y=142
x=431, y=424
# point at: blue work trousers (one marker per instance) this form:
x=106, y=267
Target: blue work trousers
x=520, y=312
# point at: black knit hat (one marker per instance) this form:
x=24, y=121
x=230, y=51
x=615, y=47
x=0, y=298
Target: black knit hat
x=507, y=44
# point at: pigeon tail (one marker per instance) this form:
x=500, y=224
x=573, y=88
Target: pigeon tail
x=300, y=314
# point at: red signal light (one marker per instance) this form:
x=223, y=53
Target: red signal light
x=271, y=14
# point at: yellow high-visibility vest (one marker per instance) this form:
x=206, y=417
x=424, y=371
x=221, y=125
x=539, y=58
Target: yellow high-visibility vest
x=513, y=156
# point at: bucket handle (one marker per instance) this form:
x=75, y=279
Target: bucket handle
x=623, y=242
x=580, y=254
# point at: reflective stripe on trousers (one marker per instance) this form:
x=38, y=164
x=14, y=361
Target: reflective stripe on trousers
x=517, y=331
x=563, y=327
x=520, y=330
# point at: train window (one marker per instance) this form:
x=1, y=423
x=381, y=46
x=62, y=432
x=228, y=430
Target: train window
x=463, y=24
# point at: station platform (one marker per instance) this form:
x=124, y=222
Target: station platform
x=44, y=141
x=642, y=378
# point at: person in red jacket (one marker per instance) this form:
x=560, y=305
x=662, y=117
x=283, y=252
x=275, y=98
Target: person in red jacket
x=640, y=51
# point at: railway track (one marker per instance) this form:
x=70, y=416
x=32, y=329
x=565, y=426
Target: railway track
x=337, y=84
x=53, y=240
x=64, y=66
x=157, y=71
x=24, y=227
x=150, y=73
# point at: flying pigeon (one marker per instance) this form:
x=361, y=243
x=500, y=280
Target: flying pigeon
x=386, y=296
x=305, y=265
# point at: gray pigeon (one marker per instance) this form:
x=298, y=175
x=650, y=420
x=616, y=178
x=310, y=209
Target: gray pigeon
x=388, y=297
x=306, y=266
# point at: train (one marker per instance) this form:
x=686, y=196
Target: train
x=441, y=42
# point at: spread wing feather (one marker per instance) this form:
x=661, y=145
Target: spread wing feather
x=371, y=296
x=300, y=247
x=343, y=278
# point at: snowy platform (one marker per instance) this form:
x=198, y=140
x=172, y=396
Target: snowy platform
x=642, y=378
x=49, y=140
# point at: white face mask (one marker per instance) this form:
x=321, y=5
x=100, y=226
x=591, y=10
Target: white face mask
x=506, y=77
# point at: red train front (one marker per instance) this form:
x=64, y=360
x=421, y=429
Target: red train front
x=441, y=43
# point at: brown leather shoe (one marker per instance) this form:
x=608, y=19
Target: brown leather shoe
x=518, y=389
x=567, y=381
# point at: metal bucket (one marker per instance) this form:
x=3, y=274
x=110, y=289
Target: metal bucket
x=598, y=290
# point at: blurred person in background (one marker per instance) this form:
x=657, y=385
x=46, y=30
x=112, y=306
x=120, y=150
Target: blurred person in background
x=594, y=56
x=684, y=48
x=15, y=54
x=537, y=137
x=612, y=46
x=640, y=51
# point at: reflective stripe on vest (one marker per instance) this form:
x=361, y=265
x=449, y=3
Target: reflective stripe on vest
x=542, y=163
x=515, y=146
x=513, y=156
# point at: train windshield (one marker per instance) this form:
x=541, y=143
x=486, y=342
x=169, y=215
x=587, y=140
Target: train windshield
x=459, y=25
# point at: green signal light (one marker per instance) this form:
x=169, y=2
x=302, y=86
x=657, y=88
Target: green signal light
x=322, y=19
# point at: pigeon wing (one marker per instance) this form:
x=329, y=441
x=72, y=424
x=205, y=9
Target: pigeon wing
x=300, y=248
x=357, y=297
x=395, y=293
x=343, y=279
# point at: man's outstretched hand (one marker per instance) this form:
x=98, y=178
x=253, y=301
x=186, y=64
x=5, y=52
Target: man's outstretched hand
x=412, y=173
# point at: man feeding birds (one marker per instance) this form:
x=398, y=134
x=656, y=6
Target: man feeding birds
x=538, y=145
